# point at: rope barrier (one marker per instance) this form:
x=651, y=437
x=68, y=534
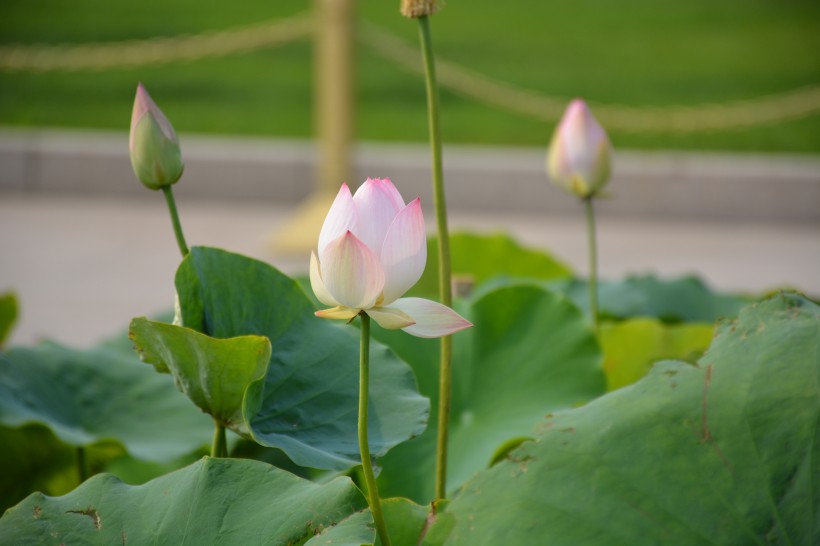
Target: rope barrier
x=101, y=56
x=795, y=104
x=766, y=110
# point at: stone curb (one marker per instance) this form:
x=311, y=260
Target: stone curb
x=683, y=185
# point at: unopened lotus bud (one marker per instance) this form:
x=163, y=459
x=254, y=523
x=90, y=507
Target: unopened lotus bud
x=578, y=159
x=153, y=144
x=419, y=8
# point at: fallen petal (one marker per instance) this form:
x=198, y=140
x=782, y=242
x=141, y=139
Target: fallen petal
x=432, y=319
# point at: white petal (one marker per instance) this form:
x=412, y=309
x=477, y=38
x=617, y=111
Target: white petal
x=377, y=203
x=432, y=319
x=391, y=318
x=344, y=313
x=318, y=284
x=404, y=252
x=351, y=272
x=340, y=218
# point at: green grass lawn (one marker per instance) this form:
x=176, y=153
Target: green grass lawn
x=633, y=52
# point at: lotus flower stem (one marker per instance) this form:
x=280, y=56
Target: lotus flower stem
x=172, y=208
x=444, y=272
x=219, y=447
x=367, y=467
x=593, y=261
x=82, y=466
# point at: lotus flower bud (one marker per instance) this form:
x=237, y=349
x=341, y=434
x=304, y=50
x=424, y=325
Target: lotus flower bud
x=578, y=159
x=153, y=144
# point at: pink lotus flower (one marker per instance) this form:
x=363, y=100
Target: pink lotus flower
x=153, y=144
x=579, y=154
x=372, y=249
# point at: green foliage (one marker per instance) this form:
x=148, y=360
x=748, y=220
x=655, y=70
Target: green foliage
x=307, y=403
x=719, y=453
x=355, y=530
x=99, y=395
x=214, y=373
x=40, y=462
x=530, y=352
x=213, y=501
x=8, y=314
x=405, y=521
x=711, y=52
x=684, y=299
x=477, y=257
x=632, y=346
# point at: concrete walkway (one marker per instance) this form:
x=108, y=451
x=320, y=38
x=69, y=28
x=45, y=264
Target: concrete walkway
x=87, y=248
x=84, y=266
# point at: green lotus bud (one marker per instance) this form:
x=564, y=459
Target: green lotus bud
x=579, y=154
x=153, y=144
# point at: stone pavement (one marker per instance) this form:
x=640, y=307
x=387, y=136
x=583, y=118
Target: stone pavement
x=86, y=248
x=83, y=266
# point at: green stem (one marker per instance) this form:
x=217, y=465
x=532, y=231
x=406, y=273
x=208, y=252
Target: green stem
x=364, y=449
x=444, y=272
x=172, y=208
x=219, y=446
x=82, y=465
x=593, y=262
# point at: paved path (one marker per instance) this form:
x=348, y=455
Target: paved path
x=84, y=266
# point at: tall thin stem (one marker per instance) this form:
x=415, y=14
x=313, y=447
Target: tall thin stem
x=364, y=449
x=82, y=465
x=593, y=262
x=219, y=446
x=172, y=208
x=444, y=272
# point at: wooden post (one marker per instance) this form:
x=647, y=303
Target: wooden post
x=334, y=113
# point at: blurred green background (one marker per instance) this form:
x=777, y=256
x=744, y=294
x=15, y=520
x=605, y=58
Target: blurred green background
x=631, y=52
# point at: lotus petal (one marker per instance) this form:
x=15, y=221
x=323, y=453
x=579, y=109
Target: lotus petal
x=340, y=218
x=351, y=272
x=318, y=284
x=377, y=203
x=432, y=319
x=391, y=318
x=339, y=312
x=404, y=252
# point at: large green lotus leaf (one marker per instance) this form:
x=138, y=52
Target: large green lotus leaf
x=213, y=501
x=477, y=257
x=404, y=519
x=8, y=314
x=213, y=373
x=90, y=396
x=355, y=530
x=308, y=400
x=632, y=346
x=724, y=452
x=530, y=352
x=682, y=299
